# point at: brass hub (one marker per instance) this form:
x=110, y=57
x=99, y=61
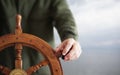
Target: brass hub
x=18, y=72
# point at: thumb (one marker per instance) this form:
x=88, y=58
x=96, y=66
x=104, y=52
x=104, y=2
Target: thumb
x=59, y=47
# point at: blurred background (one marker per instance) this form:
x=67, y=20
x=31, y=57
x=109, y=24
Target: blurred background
x=98, y=23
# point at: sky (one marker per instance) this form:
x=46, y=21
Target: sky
x=98, y=20
x=98, y=23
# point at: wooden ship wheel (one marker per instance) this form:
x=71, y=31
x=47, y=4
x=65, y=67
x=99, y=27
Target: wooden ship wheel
x=19, y=39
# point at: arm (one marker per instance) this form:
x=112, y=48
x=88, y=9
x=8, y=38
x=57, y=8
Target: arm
x=65, y=25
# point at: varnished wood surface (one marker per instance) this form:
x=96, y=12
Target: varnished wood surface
x=19, y=39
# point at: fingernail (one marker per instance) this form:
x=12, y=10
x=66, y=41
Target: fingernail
x=65, y=58
x=63, y=54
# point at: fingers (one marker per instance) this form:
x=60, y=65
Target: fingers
x=65, y=46
x=70, y=49
x=74, y=52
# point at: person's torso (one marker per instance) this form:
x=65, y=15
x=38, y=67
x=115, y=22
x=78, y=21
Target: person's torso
x=36, y=17
x=36, y=20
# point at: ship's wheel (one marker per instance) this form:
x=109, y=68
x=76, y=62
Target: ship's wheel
x=19, y=39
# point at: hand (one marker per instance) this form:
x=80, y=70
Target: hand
x=70, y=49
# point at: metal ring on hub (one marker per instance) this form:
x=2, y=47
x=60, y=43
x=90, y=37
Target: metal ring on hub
x=18, y=72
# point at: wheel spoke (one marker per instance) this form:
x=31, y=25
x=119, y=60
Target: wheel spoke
x=18, y=47
x=4, y=70
x=36, y=67
x=18, y=60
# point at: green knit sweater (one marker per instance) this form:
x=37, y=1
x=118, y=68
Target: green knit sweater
x=38, y=18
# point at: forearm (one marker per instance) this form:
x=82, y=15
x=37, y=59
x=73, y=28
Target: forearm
x=64, y=21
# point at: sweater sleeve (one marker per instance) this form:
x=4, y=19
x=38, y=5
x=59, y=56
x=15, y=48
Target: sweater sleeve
x=63, y=20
